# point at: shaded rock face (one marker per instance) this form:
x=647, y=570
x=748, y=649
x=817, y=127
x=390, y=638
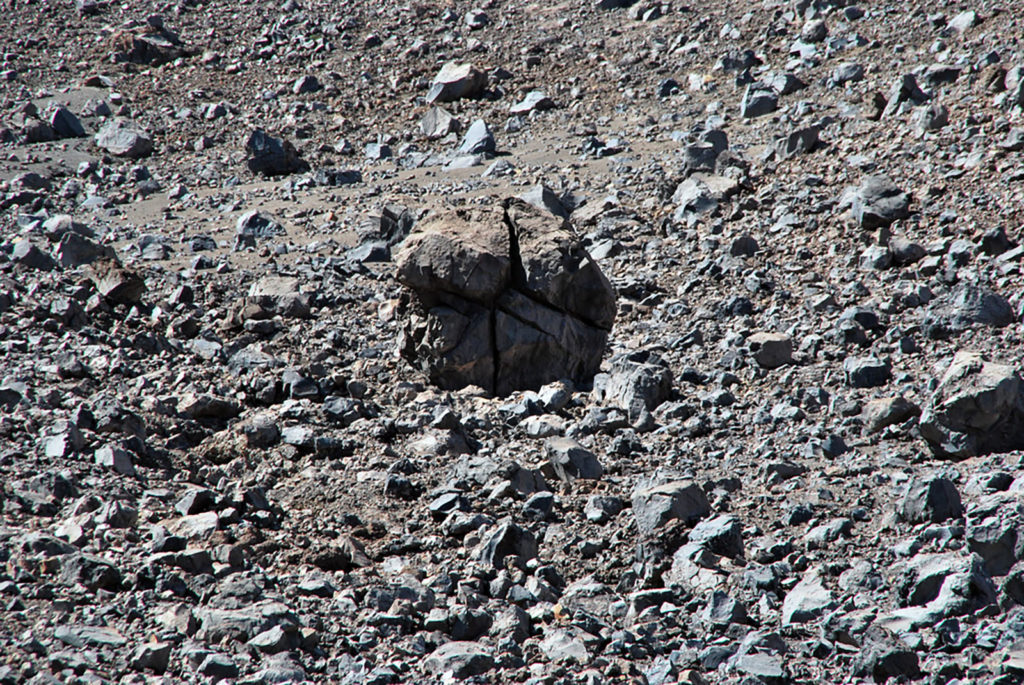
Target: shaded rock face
x=977, y=409
x=506, y=299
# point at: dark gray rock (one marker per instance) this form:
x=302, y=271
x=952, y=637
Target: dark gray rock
x=883, y=656
x=570, y=460
x=977, y=408
x=253, y=227
x=879, y=202
x=800, y=141
x=722, y=535
x=866, y=372
x=758, y=102
x=478, y=140
x=655, y=504
x=602, y=508
x=638, y=383
x=930, y=500
x=271, y=156
x=507, y=539
x=969, y=305
x=27, y=254
x=461, y=659
x=64, y=123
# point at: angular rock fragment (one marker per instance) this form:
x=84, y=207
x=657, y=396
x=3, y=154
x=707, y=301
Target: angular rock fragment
x=271, y=156
x=456, y=81
x=461, y=659
x=637, y=383
x=253, y=227
x=866, y=372
x=930, y=500
x=887, y=411
x=879, y=202
x=978, y=408
x=655, y=505
x=758, y=102
x=506, y=299
x=570, y=460
x=64, y=123
x=124, y=138
x=535, y=100
x=438, y=122
x=117, y=283
x=771, y=350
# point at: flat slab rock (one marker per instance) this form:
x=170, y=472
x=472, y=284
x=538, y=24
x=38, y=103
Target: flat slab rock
x=506, y=299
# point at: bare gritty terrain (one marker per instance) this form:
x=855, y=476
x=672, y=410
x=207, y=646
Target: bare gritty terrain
x=265, y=286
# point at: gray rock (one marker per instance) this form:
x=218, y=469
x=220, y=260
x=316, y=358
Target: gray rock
x=758, y=102
x=113, y=457
x=995, y=532
x=771, y=350
x=507, y=299
x=800, y=141
x=27, y=254
x=218, y=667
x=124, y=138
x=930, y=118
x=936, y=586
x=152, y=656
x=95, y=573
x=478, y=140
x=76, y=250
x=116, y=283
x=456, y=81
x=866, y=372
x=808, y=599
x=461, y=659
x=438, y=122
x=64, y=123
x=931, y=500
x=89, y=636
x=542, y=197
x=535, y=100
x=570, y=460
x=904, y=90
x=765, y=668
x=271, y=156
x=978, y=408
x=968, y=306
x=888, y=411
x=602, y=508
x=253, y=227
x=814, y=31
x=879, y=202
x=306, y=84
x=847, y=72
x=637, y=383
x=722, y=535
x=884, y=656
x=656, y=505
x=507, y=539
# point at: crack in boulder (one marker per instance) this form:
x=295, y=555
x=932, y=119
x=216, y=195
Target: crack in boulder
x=505, y=297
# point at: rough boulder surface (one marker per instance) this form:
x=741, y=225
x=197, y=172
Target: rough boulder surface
x=507, y=299
x=591, y=342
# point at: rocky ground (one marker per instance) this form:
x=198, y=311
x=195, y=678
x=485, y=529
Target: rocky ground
x=293, y=389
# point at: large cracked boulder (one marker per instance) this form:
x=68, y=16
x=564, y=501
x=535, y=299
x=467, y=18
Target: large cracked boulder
x=506, y=298
x=977, y=409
